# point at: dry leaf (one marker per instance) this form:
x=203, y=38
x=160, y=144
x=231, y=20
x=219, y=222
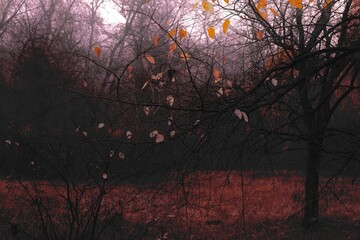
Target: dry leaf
x=211, y=32
x=226, y=25
x=150, y=58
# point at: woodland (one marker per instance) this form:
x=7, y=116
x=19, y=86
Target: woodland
x=183, y=119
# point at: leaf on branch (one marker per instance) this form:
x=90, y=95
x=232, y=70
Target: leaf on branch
x=296, y=3
x=172, y=47
x=170, y=120
x=274, y=82
x=211, y=32
x=145, y=84
x=153, y=133
x=327, y=3
x=261, y=4
x=263, y=14
x=121, y=155
x=226, y=1
x=216, y=75
x=172, y=33
x=157, y=76
x=238, y=113
x=220, y=92
x=150, y=58
x=195, y=5
x=128, y=135
x=182, y=33
x=259, y=35
x=111, y=154
x=274, y=12
x=146, y=110
x=241, y=115
x=226, y=25
x=172, y=133
x=130, y=69
x=228, y=84
x=170, y=100
x=184, y=56
x=101, y=125
x=245, y=117
x=159, y=138
x=156, y=40
x=208, y=7
x=97, y=50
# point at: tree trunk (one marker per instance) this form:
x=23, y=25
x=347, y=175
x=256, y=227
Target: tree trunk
x=311, y=213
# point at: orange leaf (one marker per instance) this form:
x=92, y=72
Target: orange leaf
x=184, y=56
x=259, y=35
x=172, y=47
x=263, y=14
x=216, y=74
x=195, y=5
x=296, y=3
x=274, y=12
x=327, y=3
x=156, y=40
x=226, y=25
x=150, y=58
x=182, y=33
x=211, y=32
x=208, y=7
x=97, y=51
x=172, y=33
x=262, y=4
x=226, y=1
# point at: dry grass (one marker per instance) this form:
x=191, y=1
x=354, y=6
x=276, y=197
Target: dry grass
x=202, y=205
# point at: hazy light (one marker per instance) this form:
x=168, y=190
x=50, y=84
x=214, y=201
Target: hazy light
x=109, y=12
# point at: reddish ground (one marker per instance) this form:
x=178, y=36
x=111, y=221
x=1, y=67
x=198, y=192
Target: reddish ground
x=203, y=205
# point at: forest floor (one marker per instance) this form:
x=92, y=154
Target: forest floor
x=202, y=205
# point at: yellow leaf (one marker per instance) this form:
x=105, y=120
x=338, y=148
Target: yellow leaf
x=182, y=33
x=296, y=3
x=226, y=25
x=184, y=56
x=195, y=5
x=208, y=7
x=150, y=58
x=213, y=1
x=172, y=47
x=156, y=40
x=327, y=3
x=172, y=33
x=259, y=35
x=274, y=12
x=211, y=32
x=216, y=74
x=226, y=1
x=97, y=51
